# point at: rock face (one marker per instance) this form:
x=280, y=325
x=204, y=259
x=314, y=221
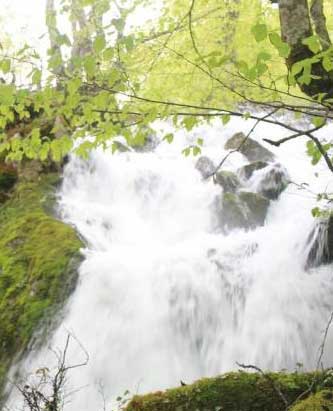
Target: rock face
x=268, y=179
x=39, y=256
x=205, y=166
x=273, y=182
x=244, y=210
x=247, y=171
x=320, y=244
x=250, y=148
x=228, y=181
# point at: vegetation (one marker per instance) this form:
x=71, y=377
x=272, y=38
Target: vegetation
x=38, y=261
x=200, y=60
x=231, y=392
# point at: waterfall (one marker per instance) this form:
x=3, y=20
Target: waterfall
x=164, y=294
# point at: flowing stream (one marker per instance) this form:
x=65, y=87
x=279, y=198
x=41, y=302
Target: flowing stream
x=163, y=294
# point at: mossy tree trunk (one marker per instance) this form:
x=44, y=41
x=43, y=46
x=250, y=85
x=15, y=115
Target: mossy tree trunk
x=299, y=20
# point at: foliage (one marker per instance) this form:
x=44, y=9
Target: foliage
x=228, y=392
x=38, y=257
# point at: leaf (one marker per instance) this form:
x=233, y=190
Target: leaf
x=186, y=151
x=327, y=63
x=315, y=212
x=196, y=150
x=313, y=43
x=169, y=138
x=36, y=77
x=259, y=31
x=200, y=142
x=318, y=121
x=281, y=46
x=225, y=119
x=189, y=122
x=99, y=44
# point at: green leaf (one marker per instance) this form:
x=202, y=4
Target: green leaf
x=5, y=66
x=315, y=212
x=200, y=142
x=327, y=63
x=186, y=151
x=281, y=46
x=225, y=119
x=313, y=43
x=99, y=44
x=260, y=32
x=36, y=77
x=196, y=150
x=169, y=138
x=318, y=121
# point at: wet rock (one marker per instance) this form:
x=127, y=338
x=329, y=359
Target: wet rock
x=320, y=244
x=247, y=171
x=244, y=210
x=258, y=207
x=250, y=148
x=274, y=180
x=228, y=181
x=205, y=166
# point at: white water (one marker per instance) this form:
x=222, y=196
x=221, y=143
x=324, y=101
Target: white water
x=163, y=295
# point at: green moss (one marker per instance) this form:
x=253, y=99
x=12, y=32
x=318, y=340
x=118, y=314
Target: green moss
x=38, y=260
x=322, y=401
x=230, y=392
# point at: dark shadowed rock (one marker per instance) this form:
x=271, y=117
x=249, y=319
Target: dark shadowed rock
x=320, y=244
x=205, y=166
x=244, y=210
x=228, y=181
x=251, y=149
x=273, y=181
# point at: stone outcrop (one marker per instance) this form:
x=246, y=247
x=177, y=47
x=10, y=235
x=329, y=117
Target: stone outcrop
x=245, y=210
x=228, y=181
x=320, y=244
x=250, y=148
x=205, y=166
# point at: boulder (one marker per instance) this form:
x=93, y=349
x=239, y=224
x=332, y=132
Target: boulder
x=250, y=148
x=205, y=166
x=258, y=207
x=320, y=244
x=273, y=181
x=244, y=210
x=228, y=181
x=247, y=171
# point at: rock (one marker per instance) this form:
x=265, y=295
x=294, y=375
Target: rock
x=244, y=210
x=205, y=166
x=251, y=149
x=258, y=206
x=228, y=181
x=320, y=244
x=274, y=180
x=247, y=171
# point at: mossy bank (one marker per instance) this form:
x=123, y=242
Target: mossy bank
x=39, y=256
x=235, y=391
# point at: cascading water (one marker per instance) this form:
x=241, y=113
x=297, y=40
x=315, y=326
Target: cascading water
x=163, y=294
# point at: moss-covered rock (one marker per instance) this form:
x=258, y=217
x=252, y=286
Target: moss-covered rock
x=250, y=148
x=245, y=210
x=230, y=392
x=228, y=181
x=322, y=401
x=38, y=260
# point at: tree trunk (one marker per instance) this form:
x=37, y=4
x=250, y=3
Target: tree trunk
x=51, y=22
x=295, y=27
